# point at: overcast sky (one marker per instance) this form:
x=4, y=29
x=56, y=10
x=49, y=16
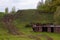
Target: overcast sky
x=19, y=4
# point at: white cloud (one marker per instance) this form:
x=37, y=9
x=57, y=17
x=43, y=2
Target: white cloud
x=19, y=4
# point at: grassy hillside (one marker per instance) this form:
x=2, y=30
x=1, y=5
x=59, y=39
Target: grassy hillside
x=1, y=16
x=27, y=33
x=35, y=16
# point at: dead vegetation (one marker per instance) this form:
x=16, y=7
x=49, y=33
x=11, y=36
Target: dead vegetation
x=7, y=22
x=34, y=37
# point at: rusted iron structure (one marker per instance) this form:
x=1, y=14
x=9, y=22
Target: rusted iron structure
x=46, y=28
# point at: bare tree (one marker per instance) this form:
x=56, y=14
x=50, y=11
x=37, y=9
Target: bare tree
x=6, y=10
x=13, y=10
